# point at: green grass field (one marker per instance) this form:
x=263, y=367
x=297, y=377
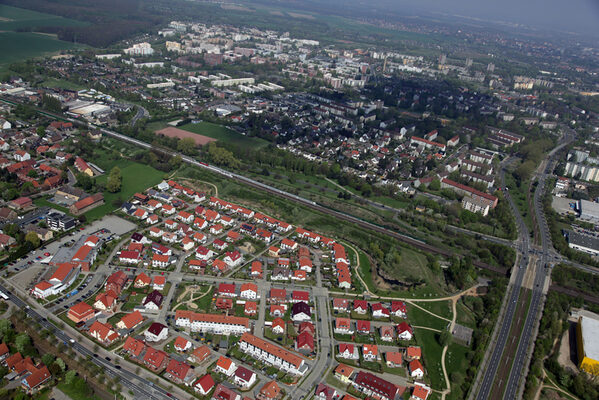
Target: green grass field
x=19, y=46
x=12, y=18
x=224, y=134
x=456, y=363
x=431, y=352
x=418, y=317
x=442, y=307
x=136, y=178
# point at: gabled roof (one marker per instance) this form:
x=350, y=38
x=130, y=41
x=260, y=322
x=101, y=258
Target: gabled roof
x=132, y=319
x=206, y=383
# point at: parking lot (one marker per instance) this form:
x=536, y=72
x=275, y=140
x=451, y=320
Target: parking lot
x=115, y=225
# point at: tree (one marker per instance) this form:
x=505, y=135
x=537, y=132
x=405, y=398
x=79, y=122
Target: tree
x=48, y=359
x=70, y=377
x=61, y=364
x=5, y=328
x=435, y=184
x=32, y=238
x=444, y=338
x=186, y=146
x=41, y=131
x=84, y=181
x=32, y=173
x=115, y=180
x=22, y=341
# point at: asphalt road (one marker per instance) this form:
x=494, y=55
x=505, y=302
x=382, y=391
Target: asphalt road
x=143, y=389
x=541, y=273
x=505, y=324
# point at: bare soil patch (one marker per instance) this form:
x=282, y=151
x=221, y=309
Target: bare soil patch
x=200, y=140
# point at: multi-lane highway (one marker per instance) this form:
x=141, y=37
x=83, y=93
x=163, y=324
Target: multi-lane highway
x=492, y=365
x=506, y=325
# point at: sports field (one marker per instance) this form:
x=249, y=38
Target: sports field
x=200, y=140
x=224, y=134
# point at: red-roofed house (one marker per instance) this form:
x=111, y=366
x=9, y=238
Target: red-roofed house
x=204, y=385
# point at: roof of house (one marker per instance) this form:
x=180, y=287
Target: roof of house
x=413, y=352
x=344, y=370
x=243, y=373
x=81, y=308
x=224, y=363
x=376, y=384
x=132, y=319
x=394, y=357
x=143, y=278
x=301, y=307
x=270, y=390
x=420, y=392
x=156, y=328
x=39, y=376
x=273, y=349
x=155, y=357
x=154, y=297
x=305, y=339
x=178, y=369
x=201, y=352
x=206, y=383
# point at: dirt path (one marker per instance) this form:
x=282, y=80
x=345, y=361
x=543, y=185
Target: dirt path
x=189, y=183
x=444, y=353
x=465, y=292
x=191, y=299
x=427, y=311
x=553, y=386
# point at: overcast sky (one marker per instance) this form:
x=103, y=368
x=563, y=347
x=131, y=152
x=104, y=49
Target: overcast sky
x=581, y=16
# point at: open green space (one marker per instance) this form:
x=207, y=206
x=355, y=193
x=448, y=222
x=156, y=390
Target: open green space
x=60, y=84
x=442, y=307
x=419, y=317
x=224, y=134
x=136, y=178
x=19, y=46
x=456, y=363
x=431, y=352
x=13, y=18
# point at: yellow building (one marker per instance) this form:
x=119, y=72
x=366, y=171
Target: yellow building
x=587, y=343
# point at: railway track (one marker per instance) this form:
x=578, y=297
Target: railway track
x=272, y=190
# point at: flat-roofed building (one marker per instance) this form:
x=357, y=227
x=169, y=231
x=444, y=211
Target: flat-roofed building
x=587, y=342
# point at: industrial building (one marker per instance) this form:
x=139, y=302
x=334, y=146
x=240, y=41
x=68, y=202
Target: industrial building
x=588, y=211
x=587, y=342
x=585, y=243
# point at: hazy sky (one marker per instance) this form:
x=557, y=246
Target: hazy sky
x=564, y=15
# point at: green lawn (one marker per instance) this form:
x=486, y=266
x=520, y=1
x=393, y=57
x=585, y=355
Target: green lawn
x=224, y=134
x=442, y=307
x=418, y=317
x=19, y=46
x=456, y=363
x=12, y=18
x=136, y=178
x=431, y=352
x=60, y=84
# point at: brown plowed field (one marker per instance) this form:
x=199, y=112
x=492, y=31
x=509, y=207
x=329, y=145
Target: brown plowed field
x=200, y=140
